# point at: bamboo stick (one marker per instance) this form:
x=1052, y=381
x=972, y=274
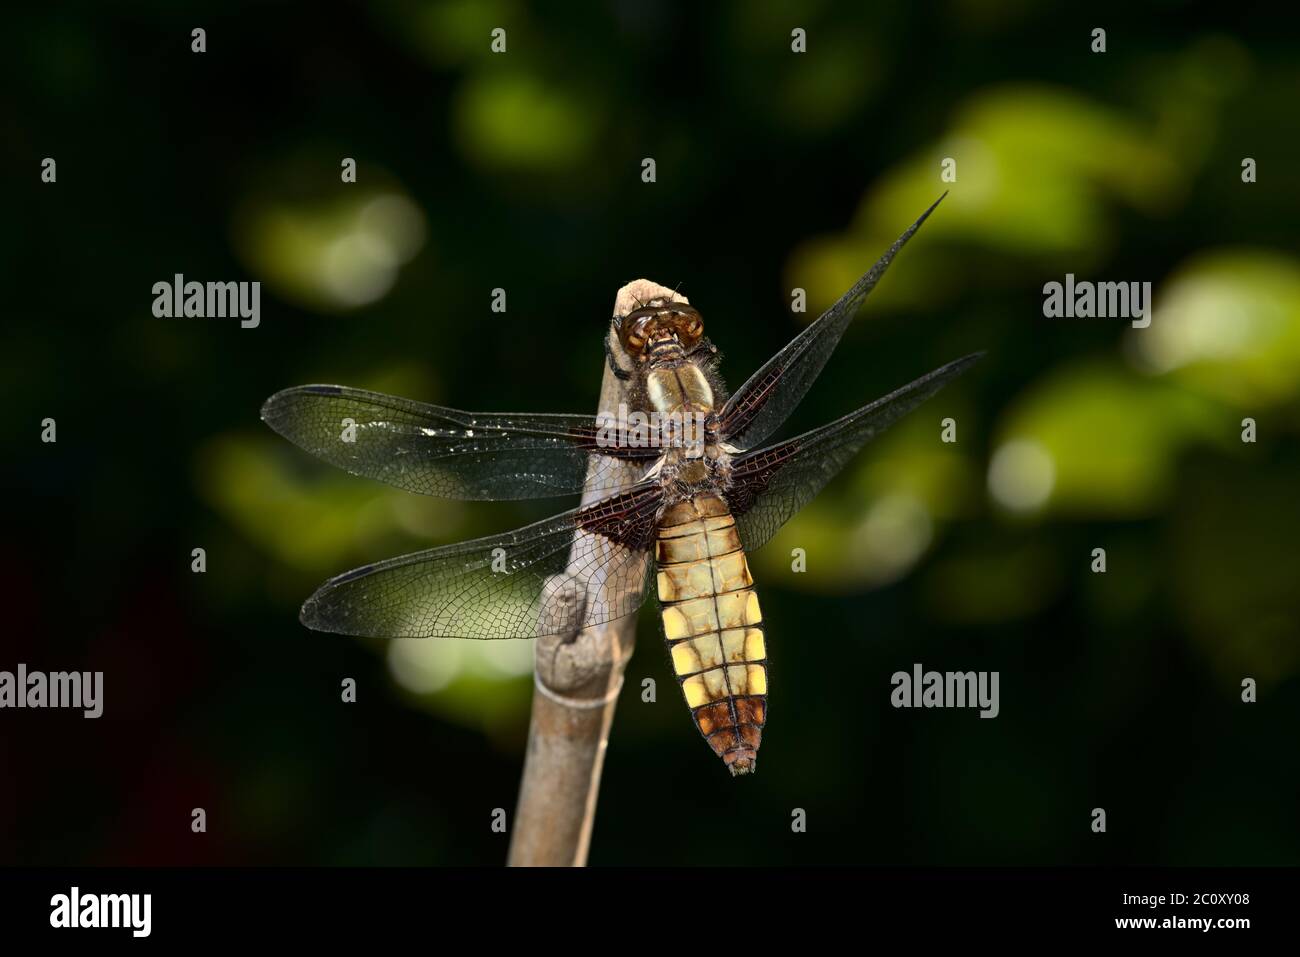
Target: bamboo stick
x=578, y=678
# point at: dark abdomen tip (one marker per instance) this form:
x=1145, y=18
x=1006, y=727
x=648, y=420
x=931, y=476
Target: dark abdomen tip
x=741, y=761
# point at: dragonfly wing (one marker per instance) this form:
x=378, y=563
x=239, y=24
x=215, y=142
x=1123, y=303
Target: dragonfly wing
x=768, y=486
x=578, y=568
x=765, y=401
x=446, y=452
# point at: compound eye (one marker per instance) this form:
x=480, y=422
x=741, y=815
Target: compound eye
x=689, y=328
x=635, y=338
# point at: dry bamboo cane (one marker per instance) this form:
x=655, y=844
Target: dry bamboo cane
x=578, y=678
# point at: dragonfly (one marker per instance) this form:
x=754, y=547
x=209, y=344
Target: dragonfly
x=677, y=493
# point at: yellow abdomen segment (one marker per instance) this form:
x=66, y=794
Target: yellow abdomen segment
x=714, y=627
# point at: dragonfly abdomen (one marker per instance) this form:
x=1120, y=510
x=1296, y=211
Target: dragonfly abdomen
x=713, y=626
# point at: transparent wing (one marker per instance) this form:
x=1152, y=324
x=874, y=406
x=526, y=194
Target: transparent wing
x=765, y=401
x=770, y=485
x=578, y=568
x=437, y=451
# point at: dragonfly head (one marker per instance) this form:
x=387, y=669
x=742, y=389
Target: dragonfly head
x=660, y=330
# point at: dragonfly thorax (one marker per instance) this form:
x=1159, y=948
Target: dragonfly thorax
x=682, y=402
x=682, y=388
x=683, y=475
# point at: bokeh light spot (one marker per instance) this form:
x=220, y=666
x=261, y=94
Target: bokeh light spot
x=1021, y=475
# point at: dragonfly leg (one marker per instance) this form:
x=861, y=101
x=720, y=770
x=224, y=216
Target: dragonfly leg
x=613, y=363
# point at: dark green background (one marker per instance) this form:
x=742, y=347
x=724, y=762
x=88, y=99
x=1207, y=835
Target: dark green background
x=775, y=170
